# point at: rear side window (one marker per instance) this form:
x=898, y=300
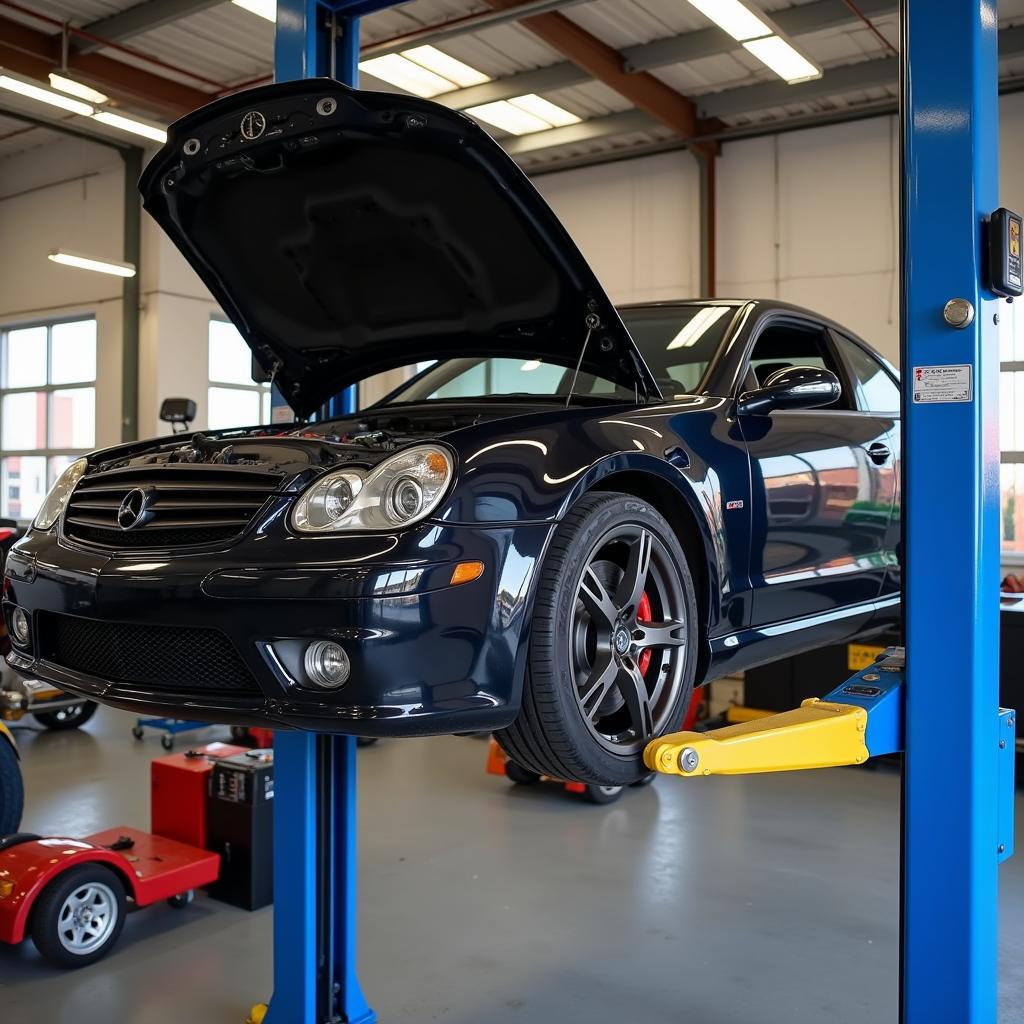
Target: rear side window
x=876, y=390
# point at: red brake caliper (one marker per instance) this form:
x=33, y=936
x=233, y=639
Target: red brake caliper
x=643, y=614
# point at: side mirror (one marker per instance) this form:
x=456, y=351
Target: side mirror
x=795, y=387
x=179, y=412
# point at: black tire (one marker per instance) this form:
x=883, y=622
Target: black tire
x=71, y=717
x=167, y=741
x=609, y=552
x=138, y=732
x=603, y=794
x=519, y=775
x=53, y=926
x=645, y=781
x=12, y=790
x=366, y=741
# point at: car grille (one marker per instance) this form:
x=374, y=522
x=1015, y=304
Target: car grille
x=179, y=658
x=184, y=505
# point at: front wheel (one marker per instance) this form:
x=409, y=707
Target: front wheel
x=79, y=916
x=71, y=717
x=613, y=649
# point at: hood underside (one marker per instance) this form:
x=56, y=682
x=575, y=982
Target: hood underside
x=348, y=232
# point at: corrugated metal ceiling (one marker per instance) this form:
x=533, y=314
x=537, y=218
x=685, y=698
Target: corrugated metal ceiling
x=230, y=45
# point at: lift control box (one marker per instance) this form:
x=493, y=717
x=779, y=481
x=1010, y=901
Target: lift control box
x=1005, y=270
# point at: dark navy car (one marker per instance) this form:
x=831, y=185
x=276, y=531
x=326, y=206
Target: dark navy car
x=565, y=520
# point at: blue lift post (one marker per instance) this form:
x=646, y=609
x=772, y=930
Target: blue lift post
x=315, y=979
x=951, y=842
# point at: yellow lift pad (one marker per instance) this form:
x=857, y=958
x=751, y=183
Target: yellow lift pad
x=818, y=734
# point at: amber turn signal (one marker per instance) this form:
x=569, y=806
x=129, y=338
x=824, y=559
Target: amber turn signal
x=6, y=888
x=466, y=572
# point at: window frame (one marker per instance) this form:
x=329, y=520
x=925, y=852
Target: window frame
x=47, y=452
x=837, y=338
x=264, y=390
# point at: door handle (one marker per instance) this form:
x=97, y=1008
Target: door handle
x=878, y=453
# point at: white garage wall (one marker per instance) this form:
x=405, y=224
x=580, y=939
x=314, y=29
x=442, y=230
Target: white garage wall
x=637, y=222
x=811, y=217
x=65, y=195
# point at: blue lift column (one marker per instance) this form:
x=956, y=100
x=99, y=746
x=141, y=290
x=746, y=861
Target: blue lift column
x=315, y=831
x=951, y=842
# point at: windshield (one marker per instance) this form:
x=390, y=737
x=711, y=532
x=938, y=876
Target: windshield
x=677, y=343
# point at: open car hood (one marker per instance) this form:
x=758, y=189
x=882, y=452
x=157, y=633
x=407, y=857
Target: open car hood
x=348, y=232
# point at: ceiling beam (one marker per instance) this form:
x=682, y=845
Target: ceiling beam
x=815, y=16
x=36, y=54
x=604, y=63
x=143, y=17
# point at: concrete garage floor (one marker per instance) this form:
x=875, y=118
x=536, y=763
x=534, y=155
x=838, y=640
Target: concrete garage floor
x=767, y=900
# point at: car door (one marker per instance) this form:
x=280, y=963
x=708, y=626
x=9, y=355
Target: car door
x=814, y=473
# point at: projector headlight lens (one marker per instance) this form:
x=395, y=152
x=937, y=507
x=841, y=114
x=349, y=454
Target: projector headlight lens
x=51, y=508
x=327, y=665
x=400, y=491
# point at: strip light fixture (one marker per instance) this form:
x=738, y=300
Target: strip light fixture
x=41, y=95
x=424, y=71
x=73, y=88
x=83, y=262
x=134, y=127
x=760, y=38
x=523, y=115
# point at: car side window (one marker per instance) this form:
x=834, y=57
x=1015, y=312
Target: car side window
x=876, y=390
x=782, y=345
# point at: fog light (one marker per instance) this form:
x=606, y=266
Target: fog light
x=20, y=632
x=327, y=664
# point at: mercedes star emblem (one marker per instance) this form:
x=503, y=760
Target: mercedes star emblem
x=134, y=509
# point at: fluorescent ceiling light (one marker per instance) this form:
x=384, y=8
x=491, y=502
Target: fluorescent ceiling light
x=555, y=115
x=783, y=59
x=264, y=8
x=406, y=74
x=508, y=118
x=458, y=73
x=74, y=259
x=73, y=88
x=697, y=325
x=129, y=124
x=36, y=92
x=734, y=17
x=523, y=115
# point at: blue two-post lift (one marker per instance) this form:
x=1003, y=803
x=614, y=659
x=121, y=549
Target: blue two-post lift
x=941, y=711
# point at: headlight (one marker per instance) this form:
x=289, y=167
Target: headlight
x=402, y=490
x=49, y=512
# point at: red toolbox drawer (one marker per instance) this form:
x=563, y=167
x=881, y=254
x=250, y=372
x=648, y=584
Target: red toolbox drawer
x=179, y=785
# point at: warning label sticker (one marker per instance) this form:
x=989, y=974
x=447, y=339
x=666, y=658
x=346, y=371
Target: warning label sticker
x=943, y=383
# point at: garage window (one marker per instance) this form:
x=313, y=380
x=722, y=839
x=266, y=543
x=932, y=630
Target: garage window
x=234, y=399
x=47, y=408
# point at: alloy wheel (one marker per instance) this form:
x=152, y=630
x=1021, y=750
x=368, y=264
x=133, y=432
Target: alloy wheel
x=628, y=638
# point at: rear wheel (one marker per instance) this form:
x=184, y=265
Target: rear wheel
x=613, y=647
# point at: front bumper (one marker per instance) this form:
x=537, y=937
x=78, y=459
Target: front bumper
x=427, y=657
